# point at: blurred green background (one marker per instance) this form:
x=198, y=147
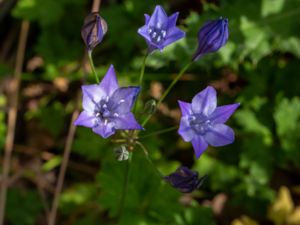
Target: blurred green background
x=254, y=181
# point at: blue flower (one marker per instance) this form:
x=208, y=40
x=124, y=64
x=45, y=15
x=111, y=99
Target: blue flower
x=211, y=37
x=93, y=30
x=160, y=30
x=107, y=106
x=202, y=122
x=184, y=180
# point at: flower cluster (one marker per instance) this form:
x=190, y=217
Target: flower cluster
x=107, y=107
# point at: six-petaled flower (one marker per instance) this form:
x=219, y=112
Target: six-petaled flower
x=202, y=121
x=211, y=37
x=185, y=180
x=160, y=30
x=107, y=106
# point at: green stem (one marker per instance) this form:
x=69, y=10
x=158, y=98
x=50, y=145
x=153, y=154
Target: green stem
x=148, y=158
x=168, y=90
x=160, y=132
x=125, y=187
x=143, y=70
x=92, y=66
x=141, y=78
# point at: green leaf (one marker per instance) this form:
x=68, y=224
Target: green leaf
x=148, y=198
x=287, y=118
x=271, y=7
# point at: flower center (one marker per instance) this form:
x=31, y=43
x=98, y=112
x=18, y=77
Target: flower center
x=104, y=112
x=157, y=34
x=199, y=123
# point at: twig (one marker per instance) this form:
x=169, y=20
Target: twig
x=96, y=6
x=12, y=115
x=62, y=172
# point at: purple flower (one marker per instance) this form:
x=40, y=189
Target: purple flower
x=160, y=30
x=93, y=30
x=202, y=122
x=184, y=180
x=107, y=106
x=211, y=37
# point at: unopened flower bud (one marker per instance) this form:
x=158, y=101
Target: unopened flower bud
x=150, y=107
x=93, y=30
x=211, y=37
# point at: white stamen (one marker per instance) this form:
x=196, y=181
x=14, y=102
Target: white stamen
x=158, y=38
x=116, y=114
x=121, y=101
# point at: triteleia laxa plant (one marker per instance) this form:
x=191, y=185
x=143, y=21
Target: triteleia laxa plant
x=160, y=29
x=107, y=106
x=202, y=121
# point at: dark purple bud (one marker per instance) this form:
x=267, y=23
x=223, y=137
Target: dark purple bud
x=211, y=37
x=93, y=30
x=185, y=180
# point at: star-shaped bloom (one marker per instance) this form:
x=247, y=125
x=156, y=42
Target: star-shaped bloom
x=202, y=122
x=93, y=30
x=211, y=37
x=107, y=106
x=184, y=180
x=160, y=30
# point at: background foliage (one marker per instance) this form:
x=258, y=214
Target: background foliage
x=258, y=67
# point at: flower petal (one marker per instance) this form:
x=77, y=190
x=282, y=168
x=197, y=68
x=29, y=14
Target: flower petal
x=91, y=95
x=123, y=99
x=127, y=122
x=222, y=113
x=85, y=119
x=109, y=82
x=185, y=130
x=205, y=102
x=199, y=145
x=158, y=18
x=173, y=35
x=219, y=135
x=172, y=20
x=104, y=130
x=185, y=108
x=147, y=18
x=143, y=31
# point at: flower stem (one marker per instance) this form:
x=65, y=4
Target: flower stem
x=160, y=132
x=141, y=78
x=92, y=65
x=148, y=158
x=143, y=69
x=125, y=187
x=168, y=90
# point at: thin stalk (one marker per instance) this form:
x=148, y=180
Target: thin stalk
x=124, y=187
x=92, y=66
x=62, y=171
x=141, y=78
x=12, y=116
x=148, y=158
x=96, y=6
x=182, y=71
x=143, y=70
x=160, y=132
